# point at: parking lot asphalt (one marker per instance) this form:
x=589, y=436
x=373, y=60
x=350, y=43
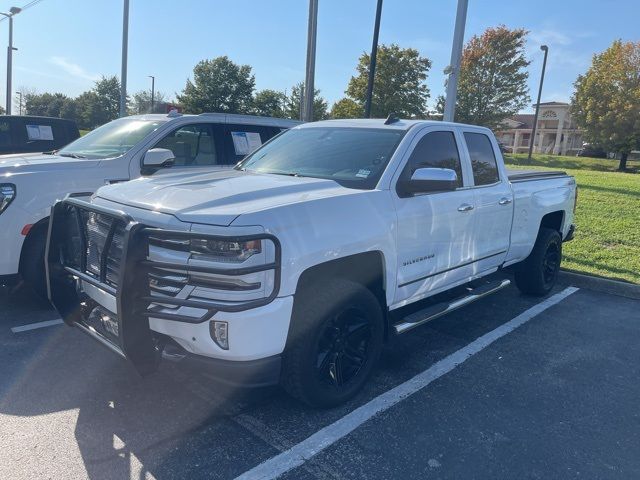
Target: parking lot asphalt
x=557, y=397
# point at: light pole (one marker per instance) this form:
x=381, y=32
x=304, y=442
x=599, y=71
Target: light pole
x=545, y=49
x=372, y=62
x=153, y=90
x=454, y=66
x=12, y=11
x=311, y=62
x=123, y=74
x=19, y=102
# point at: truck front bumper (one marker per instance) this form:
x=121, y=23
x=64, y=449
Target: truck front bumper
x=101, y=280
x=262, y=372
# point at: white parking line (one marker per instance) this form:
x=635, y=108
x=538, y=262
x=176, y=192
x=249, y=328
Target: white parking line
x=298, y=454
x=34, y=326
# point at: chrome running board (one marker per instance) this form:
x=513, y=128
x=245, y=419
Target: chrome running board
x=439, y=309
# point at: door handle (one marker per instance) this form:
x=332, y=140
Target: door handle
x=465, y=207
x=504, y=201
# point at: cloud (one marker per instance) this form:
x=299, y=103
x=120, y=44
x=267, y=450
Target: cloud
x=549, y=37
x=563, y=51
x=73, y=69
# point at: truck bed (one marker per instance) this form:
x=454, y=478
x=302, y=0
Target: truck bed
x=528, y=175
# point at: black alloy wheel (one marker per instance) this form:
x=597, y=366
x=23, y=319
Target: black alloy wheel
x=343, y=347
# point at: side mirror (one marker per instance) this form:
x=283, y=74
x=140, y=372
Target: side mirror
x=427, y=180
x=158, y=158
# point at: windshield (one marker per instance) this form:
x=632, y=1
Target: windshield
x=353, y=157
x=111, y=140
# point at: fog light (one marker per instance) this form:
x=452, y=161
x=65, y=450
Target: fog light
x=220, y=334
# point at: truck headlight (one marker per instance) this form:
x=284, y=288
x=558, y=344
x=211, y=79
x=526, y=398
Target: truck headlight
x=7, y=194
x=225, y=251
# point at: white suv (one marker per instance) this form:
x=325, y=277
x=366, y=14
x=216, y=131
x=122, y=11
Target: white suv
x=121, y=150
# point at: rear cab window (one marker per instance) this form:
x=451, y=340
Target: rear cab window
x=483, y=159
x=242, y=140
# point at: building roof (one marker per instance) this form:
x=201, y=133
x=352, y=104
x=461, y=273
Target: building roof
x=552, y=104
x=524, y=119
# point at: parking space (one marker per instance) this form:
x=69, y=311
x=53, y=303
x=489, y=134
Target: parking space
x=555, y=397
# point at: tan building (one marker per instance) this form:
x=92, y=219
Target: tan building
x=556, y=133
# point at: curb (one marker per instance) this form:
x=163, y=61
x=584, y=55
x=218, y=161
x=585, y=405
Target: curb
x=600, y=284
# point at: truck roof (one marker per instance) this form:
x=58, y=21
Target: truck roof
x=400, y=124
x=224, y=118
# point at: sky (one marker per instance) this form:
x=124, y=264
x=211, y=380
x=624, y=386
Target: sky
x=65, y=45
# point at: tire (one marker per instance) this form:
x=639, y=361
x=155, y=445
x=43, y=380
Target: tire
x=538, y=274
x=32, y=262
x=335, y=340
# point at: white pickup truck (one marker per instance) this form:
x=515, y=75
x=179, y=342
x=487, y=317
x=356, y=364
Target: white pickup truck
x=293, y=267
x=118, y=151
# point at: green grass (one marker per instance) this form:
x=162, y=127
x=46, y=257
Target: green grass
x=607, y=241
x=84, y=132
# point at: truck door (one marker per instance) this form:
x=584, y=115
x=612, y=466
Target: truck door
x=435, y=230
x=493, y=203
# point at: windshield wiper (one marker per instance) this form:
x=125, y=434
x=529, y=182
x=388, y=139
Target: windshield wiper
x=51, y=152
x=288, y=174
x=72, y=155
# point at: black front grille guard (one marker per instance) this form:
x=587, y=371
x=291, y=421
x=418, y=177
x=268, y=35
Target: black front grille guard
x=134, y=299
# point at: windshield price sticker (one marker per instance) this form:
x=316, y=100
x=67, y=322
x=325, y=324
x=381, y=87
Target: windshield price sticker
x=245, y=142
x=363, y=173
x=39, y=132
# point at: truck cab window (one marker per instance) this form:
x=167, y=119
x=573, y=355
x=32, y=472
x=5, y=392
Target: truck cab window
x=483, y=160
x=435, y=150
x=193, y=145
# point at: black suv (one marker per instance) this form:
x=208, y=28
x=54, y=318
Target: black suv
x=26, y=134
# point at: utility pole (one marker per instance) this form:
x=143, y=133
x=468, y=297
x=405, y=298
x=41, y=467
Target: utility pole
x=123, y=74
x=372, y=62
x=454, y=66
x=532, y=140
x=12, y=11
x=153, y=90
x=311, y=62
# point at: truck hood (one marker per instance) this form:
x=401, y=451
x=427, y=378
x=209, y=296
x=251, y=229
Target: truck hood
x=20, y=164
x=218, y=198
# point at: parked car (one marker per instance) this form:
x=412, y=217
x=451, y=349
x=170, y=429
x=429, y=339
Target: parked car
x=27, y=134
x=116, y=152
x=293, y=266
x=592, y=151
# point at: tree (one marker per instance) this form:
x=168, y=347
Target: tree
x=142, y=102
x=492, y=85
x=606, y=102
x=269, y=103
x=346, y=108
x=45, y=104
x=293, y=101
x=219, y=85
x=99, y=105
x=399, y=83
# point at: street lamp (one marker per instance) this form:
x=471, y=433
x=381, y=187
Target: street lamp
x=453, y=70
x=123, y=74
x=309, y=89
x=545, y=49
x=153, y=90
x=12, y=11
x=372, y=62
